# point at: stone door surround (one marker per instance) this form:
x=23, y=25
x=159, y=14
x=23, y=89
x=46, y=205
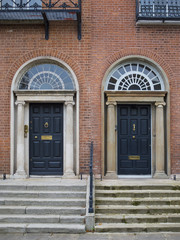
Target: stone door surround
x=22, y=149
x=154, y=98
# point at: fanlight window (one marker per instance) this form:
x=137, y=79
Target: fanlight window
x=46, y=77
x=134, y=76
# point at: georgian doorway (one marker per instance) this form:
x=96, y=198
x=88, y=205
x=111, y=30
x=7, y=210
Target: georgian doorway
x=136, y=140
x=45, y=120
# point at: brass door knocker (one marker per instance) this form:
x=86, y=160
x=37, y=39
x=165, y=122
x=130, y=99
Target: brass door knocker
x=46, y=125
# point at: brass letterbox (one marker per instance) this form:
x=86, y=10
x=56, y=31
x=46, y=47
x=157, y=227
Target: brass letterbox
x=134, y=157
x=46, y=137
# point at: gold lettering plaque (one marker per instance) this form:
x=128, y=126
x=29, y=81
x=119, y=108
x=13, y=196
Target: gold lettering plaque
x=46, y=137
x=134, y=157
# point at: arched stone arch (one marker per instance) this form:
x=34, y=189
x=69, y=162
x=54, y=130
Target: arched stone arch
x=20, y=67
x=49, y=53
x=130, y=55
x=157, y=99
x=23, y=98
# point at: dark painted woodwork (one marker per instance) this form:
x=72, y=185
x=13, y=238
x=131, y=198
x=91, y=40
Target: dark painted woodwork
x=46, y=156
x=134, y=139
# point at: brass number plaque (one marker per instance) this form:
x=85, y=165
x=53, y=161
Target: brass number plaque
x=46, y=137
x=134, y=157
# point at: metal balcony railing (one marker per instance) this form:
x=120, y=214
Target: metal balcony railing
x=38, y=4
x=26, y=11
x=165, y=10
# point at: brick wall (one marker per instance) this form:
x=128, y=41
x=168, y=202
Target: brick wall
x=109, y=32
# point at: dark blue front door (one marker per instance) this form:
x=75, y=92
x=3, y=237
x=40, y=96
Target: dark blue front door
x=134, y=139
x=46, y=139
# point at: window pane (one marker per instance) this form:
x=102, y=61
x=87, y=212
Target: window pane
x=46, y=77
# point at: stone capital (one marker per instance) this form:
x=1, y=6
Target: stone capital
x=160, y=104
x=109, y=103
x=70, y=103
x=20, y=102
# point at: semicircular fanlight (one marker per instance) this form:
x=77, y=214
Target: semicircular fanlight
x=134, y=77
x=46, y=77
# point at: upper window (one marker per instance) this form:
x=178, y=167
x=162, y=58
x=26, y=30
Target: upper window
x=134, y=76
x=165, y=10
x=46, y=77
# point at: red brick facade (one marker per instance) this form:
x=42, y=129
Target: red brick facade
x=109, y=33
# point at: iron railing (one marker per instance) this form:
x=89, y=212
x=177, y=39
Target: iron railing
x=158, y=10
x=40, y=11
x=91, y=210
x=29, y=5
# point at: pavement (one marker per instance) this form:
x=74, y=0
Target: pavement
x=93, y=236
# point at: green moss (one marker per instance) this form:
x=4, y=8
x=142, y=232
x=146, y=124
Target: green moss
x=176, y=188
x=136, y=203
x=124, y=220
x=148, y=212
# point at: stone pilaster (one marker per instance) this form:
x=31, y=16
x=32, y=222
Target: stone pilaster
x=20, y=172
x=160, y=148
x=111, y=141
x=68, y=170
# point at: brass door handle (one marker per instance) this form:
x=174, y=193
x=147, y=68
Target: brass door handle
x=25, y=130
x=134, y=127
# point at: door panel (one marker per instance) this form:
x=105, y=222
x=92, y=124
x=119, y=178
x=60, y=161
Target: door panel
x=36, y=148
x=46, y=139
x=134, y=139
x=124, y=146
x=124, y=127
x=36, y=125
x=133, y=147
x=144, y=146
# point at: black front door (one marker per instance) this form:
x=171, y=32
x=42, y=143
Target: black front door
x=134, y=139
x=46, y=139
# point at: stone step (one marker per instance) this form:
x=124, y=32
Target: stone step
x=137, y=218
x=43, y=207
x=136, y=193
x=150, y=209
x=43, y=194
x=137, y=201
x=43, y=187
x=141, y=227
x=25, y=218
x=41, y=210
x=41, y=228
x=42, y=202
x=174, y=187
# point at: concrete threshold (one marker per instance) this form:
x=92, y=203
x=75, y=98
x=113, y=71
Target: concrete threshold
x=43, y=181
x=136, y=182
